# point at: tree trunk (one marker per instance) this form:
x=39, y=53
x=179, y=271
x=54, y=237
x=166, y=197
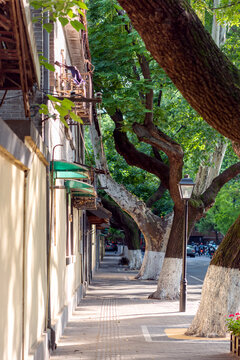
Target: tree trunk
x=178, y=41
x=169, y=280
x=153, y=228
x=132, y=233
x=222, y=283
x=135, y=259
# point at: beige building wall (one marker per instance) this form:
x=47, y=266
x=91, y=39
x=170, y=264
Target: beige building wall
x=73, y=270
x=11, y=251
x=35, y=253
x=58, y=258
x=77, y=234
x=65, y=279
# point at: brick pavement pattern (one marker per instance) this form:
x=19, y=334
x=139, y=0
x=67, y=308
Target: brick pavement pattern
x=117, y=321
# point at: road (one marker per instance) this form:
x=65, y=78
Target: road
x=196, y=269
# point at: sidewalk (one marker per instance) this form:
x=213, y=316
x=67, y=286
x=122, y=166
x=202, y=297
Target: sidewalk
x=116, y=321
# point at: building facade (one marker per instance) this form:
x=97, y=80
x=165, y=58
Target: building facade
x=50, y=216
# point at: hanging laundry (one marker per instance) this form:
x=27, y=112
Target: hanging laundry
x=77, y=78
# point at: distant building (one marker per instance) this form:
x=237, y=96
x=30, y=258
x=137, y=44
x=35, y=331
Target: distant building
x=205, y=238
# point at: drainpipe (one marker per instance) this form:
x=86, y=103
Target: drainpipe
x=45, y=71
x=48, y=314
x=23, y=260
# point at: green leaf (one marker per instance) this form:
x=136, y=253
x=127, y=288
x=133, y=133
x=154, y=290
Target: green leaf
x=48, y=66
x=43, y=109
x=64, y=21
x=77, y=25
x=42, y=58
x=62, y=111
x=70, y=13
x=68, y=104
x=75, y=117
x=35, y=4
x=80, y=12
x=53, y=98
x=48, y=27
x=64, y=121
x=82, y=5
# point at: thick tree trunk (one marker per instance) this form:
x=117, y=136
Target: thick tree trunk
x=135, y=259
x=222, y=283
x=169, y=279
x=178, y=41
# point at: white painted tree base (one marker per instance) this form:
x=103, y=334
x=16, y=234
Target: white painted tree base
x=151, y=266
x=169, y=280
x=220, y=297
x=125, y=252
x=135, y=259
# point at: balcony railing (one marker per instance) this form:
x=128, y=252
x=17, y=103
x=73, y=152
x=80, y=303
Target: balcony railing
x=71, y=84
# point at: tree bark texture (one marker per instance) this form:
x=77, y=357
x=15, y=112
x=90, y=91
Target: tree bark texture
x=222, y=282
x=206, y=174
x=177, y=40
x=220, y=297
x=228, y=252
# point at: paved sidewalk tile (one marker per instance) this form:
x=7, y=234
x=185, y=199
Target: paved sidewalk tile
x=116, y=321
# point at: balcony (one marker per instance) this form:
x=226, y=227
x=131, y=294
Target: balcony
x=70, y=83
x=19, y=65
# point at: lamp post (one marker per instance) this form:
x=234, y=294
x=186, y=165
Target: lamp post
x=186, y=186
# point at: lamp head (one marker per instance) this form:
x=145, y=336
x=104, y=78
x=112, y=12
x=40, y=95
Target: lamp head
x=186, y=186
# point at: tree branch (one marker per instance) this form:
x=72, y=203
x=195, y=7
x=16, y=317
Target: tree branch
x=136, y=158
x=210, y=194
x=149, y=96
x=153, y=136
x=156, y=196
x=209, y=82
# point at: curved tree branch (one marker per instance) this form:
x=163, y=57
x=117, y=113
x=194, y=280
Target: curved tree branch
x=153, y=136
x=136, y=158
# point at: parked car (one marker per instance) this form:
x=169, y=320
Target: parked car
x=191, y=251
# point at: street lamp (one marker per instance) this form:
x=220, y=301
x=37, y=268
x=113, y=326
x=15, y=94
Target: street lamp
x=186, y=186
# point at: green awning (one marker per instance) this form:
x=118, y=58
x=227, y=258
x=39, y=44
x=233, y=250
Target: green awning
x=68, y=170
x=70, y=175
x=61, y=165
x=75, y=187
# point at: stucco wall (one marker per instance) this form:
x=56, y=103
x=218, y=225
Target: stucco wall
x=11, y=225
x=35, y=253
x=73, y=270
x=58, y=258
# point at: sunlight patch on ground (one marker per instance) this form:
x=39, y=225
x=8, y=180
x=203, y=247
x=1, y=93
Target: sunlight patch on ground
x=179, y=333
